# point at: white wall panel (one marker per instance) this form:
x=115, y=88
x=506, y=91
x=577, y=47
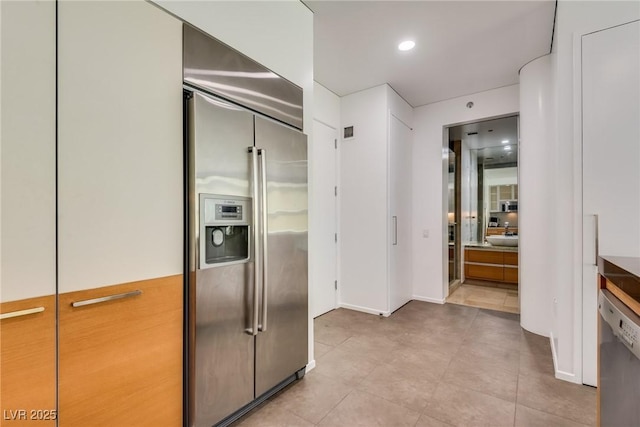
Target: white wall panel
x=536, y=224
x=363, y=202
x=400, y=215
x=326, y=106
x=574, y=18
x=323, y=215
x=400, y=141
x=611, y=162
x=430, y=181
x=28, y=150
x=120, y=143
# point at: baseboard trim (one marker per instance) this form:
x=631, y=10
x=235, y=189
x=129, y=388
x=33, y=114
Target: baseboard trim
x=365, y=309
x=554, y=354
x=311, y=365
x=561, y=375
x=567, y=376
x=427, y=299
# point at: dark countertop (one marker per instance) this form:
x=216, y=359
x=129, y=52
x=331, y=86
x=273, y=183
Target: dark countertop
x=624, y=272
x=489, y=246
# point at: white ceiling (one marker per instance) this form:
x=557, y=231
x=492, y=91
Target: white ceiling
x=462, y=47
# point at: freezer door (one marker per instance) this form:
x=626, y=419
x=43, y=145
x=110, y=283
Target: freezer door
x=221, y=353
x=223, y=363
x=220, y=135
x=281, y=349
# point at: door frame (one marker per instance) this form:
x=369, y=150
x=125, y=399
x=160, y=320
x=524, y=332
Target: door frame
x=318, y=209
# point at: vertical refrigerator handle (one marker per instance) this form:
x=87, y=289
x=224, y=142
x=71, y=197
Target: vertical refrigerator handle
x=262, y=153
x=257, y=268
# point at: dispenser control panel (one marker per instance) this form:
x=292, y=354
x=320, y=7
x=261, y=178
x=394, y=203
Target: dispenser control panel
x=227, y=210
x=225, y=230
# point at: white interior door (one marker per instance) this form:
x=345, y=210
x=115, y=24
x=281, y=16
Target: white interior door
x=611, y=161
x=324, y=288
x=400, y=287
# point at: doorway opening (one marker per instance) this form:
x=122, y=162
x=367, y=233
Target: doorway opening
x=483, y=214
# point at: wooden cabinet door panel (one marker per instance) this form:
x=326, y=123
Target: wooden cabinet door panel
x=28, y=362
x=511, y=275
x=511, y=258
x=121, y=360
x=483, y=256
x=484, y=272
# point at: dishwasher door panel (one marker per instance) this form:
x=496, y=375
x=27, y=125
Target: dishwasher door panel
x=619, y=366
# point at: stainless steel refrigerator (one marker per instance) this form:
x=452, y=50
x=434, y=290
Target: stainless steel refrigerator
x=246, y=254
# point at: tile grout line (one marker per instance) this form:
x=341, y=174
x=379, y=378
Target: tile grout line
x=461, y=331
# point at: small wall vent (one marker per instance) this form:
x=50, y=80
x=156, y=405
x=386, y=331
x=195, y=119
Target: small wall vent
x=348, y=132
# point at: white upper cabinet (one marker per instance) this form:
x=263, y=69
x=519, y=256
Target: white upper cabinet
x=119, y=143
x=28, y=164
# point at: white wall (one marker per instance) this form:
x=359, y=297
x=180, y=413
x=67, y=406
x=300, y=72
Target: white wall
x=363, y=202
x=430, y=180
x=573, y=19
x=27, y=149
x=326, y=106
x=277, y=34
x=399, y=107
x=537, y=216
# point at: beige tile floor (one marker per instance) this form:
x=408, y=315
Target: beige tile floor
x=486, y=297
x=428, y=365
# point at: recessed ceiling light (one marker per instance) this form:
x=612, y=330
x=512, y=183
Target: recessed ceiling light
x=407, y=45
x=505, y=141
x=507, y=148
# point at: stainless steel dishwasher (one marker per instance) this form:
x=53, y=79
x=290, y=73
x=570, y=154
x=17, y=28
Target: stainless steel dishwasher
x=619, y=363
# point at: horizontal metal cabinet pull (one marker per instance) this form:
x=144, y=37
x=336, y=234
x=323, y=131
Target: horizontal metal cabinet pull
x=105, y=299
x=19, y=313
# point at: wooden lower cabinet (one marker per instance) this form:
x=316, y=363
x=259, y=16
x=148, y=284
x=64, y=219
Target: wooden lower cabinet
x=484, y=272
x=510, y=274
x=483, y=256
x=491, y=265
x=28, y=363
x=121, y=360
x=511, y=258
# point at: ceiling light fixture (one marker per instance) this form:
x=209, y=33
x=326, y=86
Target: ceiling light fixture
x=507, y=148
x=505, y=141
x=407, y=45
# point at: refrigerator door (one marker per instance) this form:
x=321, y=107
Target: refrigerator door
x=221, y=353
x=281, y=348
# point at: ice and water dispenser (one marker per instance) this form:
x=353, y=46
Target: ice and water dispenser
x=224, y=229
